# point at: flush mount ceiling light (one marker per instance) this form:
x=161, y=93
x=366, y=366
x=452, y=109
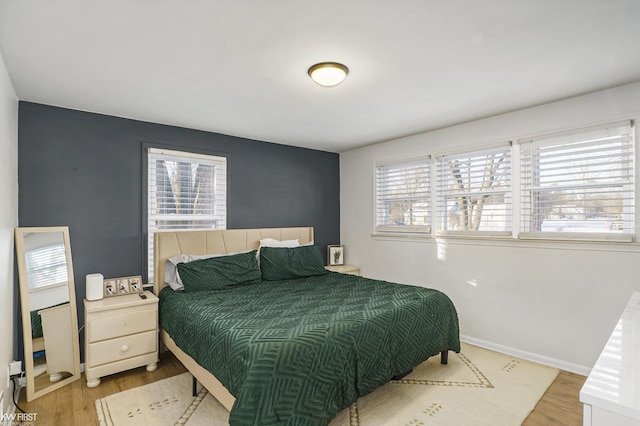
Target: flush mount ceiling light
x=328, y=74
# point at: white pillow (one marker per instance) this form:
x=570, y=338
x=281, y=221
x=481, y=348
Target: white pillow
x=171, y=275
x=270, y=242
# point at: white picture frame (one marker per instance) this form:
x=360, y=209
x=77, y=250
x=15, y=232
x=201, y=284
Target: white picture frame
x=122, y=285
x=335, y=255
x=109, y=288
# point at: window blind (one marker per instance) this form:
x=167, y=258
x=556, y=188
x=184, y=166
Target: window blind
x=579, y=184
x=474, y=192
x=46, y=266
x=403, y=196
x=185, y=191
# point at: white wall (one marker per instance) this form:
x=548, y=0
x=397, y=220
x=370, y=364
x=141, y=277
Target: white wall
x=555, y=303
x=8, y=221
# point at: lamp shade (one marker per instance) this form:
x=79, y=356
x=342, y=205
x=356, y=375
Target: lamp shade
x=328, y=74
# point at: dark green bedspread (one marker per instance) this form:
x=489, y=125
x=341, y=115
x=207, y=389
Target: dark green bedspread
x=297, y=352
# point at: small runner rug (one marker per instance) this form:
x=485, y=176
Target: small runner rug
x=478, y=386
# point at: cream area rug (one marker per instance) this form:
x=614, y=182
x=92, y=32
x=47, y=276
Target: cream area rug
x=478, y=387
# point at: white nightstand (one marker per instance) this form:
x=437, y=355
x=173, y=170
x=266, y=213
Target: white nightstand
x=121, y=333
x=344, y=269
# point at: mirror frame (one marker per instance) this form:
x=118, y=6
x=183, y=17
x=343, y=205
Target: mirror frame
x=32, y=393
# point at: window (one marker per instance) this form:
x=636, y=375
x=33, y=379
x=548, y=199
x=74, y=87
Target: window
x=579, y=185
x=474, y=192
x=185, y=191
x=403, y=196
x=46, y=266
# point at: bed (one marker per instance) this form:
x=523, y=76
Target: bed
x=295, y=350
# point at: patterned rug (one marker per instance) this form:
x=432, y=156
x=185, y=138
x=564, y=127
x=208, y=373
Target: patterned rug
x=477, y=387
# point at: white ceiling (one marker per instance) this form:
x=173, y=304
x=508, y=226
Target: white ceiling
x=240, y=67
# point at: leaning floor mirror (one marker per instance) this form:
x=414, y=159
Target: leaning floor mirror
x=48, y=302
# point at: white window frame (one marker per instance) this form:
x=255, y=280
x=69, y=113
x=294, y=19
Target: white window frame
x=474, y=181
x=613, y=133
x=382, y=225
x=217, y=219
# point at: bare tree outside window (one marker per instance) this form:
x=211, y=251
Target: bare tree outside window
x=184, y=189
x=474, y=191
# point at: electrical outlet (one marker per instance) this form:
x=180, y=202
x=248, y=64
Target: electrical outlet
x=15, y=368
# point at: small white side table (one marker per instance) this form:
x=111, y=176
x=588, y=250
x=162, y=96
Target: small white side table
x=121, y=333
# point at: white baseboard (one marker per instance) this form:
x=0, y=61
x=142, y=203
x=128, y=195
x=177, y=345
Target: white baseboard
x=541, y=359
x=11, y=409
x=8, y=399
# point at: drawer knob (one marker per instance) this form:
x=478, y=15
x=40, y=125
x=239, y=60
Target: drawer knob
x=125, y=348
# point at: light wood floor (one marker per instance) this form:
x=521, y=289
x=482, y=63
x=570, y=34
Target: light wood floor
x=560, y=405
x=74, y=404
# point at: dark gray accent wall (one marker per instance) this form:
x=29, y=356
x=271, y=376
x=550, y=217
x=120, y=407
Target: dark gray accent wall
x=87, y=171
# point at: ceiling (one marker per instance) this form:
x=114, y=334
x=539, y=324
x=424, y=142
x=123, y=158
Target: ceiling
x=240, y=67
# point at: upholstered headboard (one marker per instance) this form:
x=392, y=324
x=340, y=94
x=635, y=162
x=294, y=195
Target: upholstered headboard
x=216, y=241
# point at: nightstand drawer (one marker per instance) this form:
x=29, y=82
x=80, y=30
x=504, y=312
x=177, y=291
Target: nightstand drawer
x=122, y=348
x=121, y=324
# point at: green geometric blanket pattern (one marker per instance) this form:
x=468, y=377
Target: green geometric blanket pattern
x=298, y=351
x=216, y=273
x=285, y=263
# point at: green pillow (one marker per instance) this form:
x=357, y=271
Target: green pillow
x=217, y=273
x=284, y=263
x=36, y=325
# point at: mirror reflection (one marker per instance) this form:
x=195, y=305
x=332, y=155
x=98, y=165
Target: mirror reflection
x=48, y=305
